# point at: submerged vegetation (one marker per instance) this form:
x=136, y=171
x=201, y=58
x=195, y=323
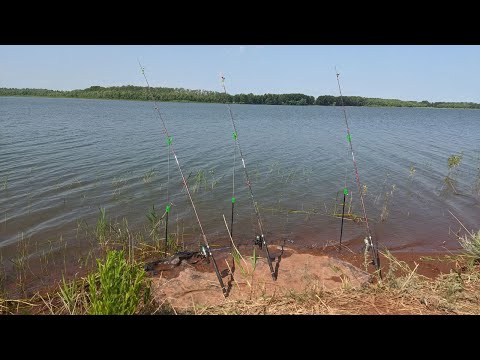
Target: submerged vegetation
x=450, y=181
x=131, y=92
x=112, y=279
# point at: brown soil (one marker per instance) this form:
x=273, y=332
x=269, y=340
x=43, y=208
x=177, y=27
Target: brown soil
x=190, y=287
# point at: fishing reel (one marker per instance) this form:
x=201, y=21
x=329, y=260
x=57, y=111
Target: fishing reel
x=259, y=241
x=368, y=244
x=205, y=253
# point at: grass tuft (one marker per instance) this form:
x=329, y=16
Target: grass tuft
x=118, y=287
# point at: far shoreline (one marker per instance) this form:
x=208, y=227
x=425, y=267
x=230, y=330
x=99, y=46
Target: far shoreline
x=220, y=103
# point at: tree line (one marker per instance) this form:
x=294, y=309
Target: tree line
x=131, y=92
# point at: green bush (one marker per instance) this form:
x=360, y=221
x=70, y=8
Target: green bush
x=117, y=287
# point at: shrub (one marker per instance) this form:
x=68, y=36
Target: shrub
x=117, y=287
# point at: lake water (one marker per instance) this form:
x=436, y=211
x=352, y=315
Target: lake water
x=63, y=159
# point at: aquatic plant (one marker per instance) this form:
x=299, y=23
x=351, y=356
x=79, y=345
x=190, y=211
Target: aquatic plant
x=20, y=263
x=450, y=181
x=412, y=171
x=101, y=228
x=118, y=183
x=386, y=200
x=154, y=222
x=199, y=180
x=148, y=176
x=5, y=182
x=476, y=183
x=3, y=277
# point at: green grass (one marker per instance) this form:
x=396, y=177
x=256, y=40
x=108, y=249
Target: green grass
x=154, y=222
x=68, y=294
x=117, y=287
x=21, y=264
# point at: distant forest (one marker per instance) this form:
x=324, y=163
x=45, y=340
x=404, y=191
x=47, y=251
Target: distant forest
x=130, y=92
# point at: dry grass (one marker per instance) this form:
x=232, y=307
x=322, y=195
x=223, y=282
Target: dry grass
x=403, y=291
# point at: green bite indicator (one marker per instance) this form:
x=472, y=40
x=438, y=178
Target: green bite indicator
x=345, y=191
x=233, y=200
x=169, y=140
x=234, y=135
x=167, y=208
x=349, y=138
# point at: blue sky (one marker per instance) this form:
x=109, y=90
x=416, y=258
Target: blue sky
x=433, y=73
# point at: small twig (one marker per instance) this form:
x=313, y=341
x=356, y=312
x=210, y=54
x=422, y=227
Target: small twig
x=175, y=311
x=233, y=244
x=323, y=303
x=409, y=277
x=49, y=304
x=461, y=224
x=233, y=277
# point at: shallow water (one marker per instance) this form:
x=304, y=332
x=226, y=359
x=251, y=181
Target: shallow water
x=63, y=159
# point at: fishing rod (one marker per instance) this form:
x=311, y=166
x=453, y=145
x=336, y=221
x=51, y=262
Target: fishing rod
x=206, y=249
x=167, y=208
x=369, y=244
x=345, y=193
x=260, y=240
x=233, y=181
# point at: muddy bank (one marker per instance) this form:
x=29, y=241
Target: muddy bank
x=194, y=285
x=430, y=264
x=191, y=286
